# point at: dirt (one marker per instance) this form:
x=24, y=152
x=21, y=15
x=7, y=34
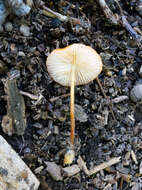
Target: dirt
x=99, y=136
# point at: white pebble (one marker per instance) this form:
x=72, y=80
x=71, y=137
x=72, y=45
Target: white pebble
x=25, y=30
x=8, y=26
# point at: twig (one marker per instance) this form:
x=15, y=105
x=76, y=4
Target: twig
x=134, y=157
x=82, y=165
x=110, y=105
x=104, y=165
x=56, y=98
x=96, y=169
x=48, y=12
x=119, y=99
x=33, y=97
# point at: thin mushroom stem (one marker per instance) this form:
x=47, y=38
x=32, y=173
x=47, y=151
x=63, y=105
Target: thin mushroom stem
x=72, y=118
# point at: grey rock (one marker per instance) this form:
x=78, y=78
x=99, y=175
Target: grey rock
x=54, y=170
x=14, y=173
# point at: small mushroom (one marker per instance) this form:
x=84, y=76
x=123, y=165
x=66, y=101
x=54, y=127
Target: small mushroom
x=73, y=65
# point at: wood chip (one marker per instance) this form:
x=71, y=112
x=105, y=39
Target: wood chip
x=71, y=170
x=134, y=157
x=14, y=122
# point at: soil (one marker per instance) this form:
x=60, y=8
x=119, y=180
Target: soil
x=99, y=137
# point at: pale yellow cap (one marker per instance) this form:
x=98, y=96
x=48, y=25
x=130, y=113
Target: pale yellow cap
x=88, y=64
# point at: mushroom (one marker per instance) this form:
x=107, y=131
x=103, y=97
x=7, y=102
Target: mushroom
x=73, y=65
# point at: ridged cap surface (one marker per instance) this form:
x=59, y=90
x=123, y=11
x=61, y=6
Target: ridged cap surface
x=86, y=60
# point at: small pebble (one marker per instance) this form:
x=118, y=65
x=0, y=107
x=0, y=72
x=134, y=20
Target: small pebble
x=56, y=130
x=21, y=54
x=38, y=170
x=8, y=26
x=27, y=150
x=111, y=90
x=25, y=30
x=140, y=72
x=140, y=54
x=108, y=73
x=136, y=93
x=124, y=71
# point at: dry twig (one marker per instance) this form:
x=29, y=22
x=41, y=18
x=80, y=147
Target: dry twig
x=110, y=104
x=119, y=99
x=48, y=12
x=32, y=96
x=134, y=157
x=56, y=98
x=96, y=169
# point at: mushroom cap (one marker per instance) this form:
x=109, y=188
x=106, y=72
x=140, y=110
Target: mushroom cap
x=86, y=60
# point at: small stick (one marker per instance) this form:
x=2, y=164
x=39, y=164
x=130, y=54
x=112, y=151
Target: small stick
x=33, y=97
x=134, y=157
x=82, y=165
x=56, y=98
x=53, y=14
x=48, y=12
x=96, y=169
x=119, y=99
x=110, y=105
x=104, y=165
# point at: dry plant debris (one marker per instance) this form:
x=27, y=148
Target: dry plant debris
x=98, y=168
x=14, y=122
